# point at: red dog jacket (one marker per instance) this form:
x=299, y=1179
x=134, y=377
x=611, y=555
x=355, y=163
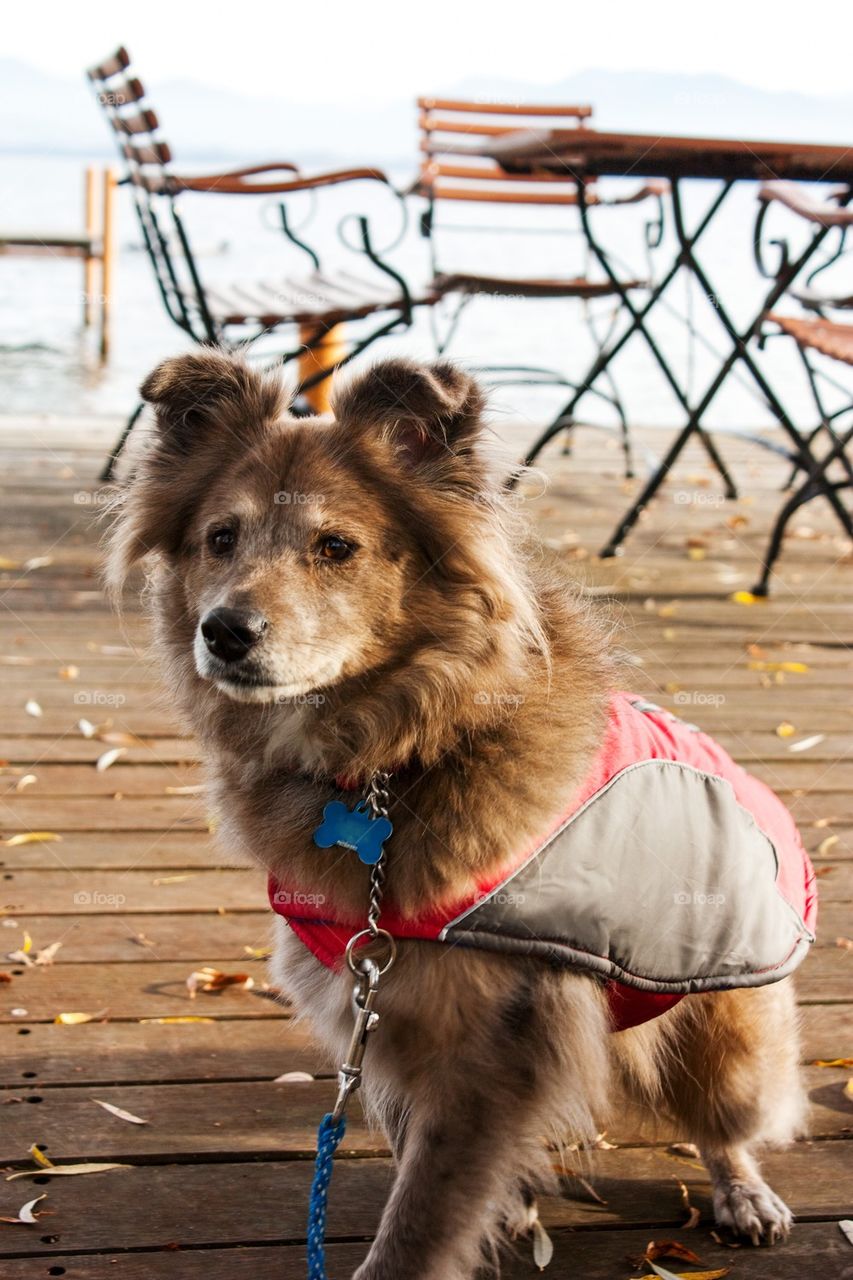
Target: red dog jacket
x=672, y=871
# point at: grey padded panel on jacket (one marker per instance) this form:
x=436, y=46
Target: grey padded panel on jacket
x=661, y=881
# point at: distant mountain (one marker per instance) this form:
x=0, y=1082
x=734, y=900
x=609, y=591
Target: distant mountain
x=53, y=114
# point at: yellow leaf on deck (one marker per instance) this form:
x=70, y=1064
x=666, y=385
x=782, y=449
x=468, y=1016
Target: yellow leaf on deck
x=33, y=837
x=74, y=1019
x=40, y=1157
x=173, y=879
x=848, y=1090
x=793, y=668
x=168, y=1022
x=833, y=1062
x=785, y=730
x=746, y=597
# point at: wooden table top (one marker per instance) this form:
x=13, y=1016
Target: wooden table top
x=589, y=152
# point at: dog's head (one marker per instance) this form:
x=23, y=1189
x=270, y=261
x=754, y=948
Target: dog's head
x=303, y=553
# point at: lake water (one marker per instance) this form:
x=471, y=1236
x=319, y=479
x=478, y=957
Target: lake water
x=47, y=364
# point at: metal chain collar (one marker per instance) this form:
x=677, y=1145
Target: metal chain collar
x=366, y=971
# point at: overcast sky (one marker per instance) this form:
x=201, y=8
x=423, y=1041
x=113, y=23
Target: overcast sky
x=373, y=50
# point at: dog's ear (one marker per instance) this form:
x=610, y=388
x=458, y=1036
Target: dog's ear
x=210, y=408
x=428, y=412
x=207, y=391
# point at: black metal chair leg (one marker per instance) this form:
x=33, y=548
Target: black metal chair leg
x=716, y=459
x=804, y=494
x=107, y=474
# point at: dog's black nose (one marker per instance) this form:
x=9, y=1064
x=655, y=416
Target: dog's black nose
x=230, y=633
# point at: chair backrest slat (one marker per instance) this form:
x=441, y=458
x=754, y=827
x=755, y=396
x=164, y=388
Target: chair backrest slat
x=455, y=135
x=111, y=66
x=147, y=157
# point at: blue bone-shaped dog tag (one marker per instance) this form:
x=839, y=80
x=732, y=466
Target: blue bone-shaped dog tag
x=355, y=829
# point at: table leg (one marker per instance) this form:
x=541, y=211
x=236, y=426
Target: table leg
x=740, y=352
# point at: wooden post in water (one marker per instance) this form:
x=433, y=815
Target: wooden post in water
x=108, y=256
x=326, y=354
x=89, y=261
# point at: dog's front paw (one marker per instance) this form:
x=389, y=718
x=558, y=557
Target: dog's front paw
x=753, y=1209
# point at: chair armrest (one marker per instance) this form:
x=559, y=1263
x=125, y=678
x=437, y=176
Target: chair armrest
x=654, y=189
x=237, y=183
x=793, y=197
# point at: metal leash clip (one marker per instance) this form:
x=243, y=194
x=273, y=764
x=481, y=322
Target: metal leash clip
x=366, y=1020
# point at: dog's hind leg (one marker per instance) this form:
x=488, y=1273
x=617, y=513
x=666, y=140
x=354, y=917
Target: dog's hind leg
x=730, y=1077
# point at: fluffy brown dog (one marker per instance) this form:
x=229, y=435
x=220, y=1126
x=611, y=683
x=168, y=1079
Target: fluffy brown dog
x=341, y=596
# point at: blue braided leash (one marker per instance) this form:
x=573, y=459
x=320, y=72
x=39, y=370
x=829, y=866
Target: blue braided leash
x=329, y=1137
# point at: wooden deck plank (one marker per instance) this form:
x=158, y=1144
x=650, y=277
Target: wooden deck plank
x=153, y=937
x=242, y=1049
x=817, y=1248
x=258, y=1118
x=264, y=1201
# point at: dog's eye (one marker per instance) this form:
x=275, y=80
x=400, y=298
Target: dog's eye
x=335, y=548
x=222, y=541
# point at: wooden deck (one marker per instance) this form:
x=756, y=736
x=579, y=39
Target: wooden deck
x=218, y=1179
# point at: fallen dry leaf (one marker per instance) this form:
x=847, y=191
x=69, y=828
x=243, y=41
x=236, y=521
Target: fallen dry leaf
x=32, y=708
x=746, y=597
x=5, y=977
x=785, y=730
x=294, y=1077
x=688, y=1149
x=174, y=879
x=825, y=845
x=688, y=1275
x=693, y=1214
x=25, y=1213
x=65, y=1170
x=208, y=979
x=46, y=954
x=833, y=1062
x=37, y=562
x=793, y=668
x=27, y=781
x=824, y=871
x=68, y=673
x=195, y=790
x=543, y=1246
x=168, y=1022
x=845, y=1226
x=40, y=1158
x=805, y=744
x=848, y=1090
x=669, y=1249
x=33, y=837
x=119, y=1113
x=118, y=738
x=75, y=1019
x=109, y=758
x=258, y=953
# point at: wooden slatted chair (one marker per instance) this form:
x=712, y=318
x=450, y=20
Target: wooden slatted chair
x=306, y=306
x=455, y=169
x=817, y=335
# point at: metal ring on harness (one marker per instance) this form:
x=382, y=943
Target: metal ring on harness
x=371, y=934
